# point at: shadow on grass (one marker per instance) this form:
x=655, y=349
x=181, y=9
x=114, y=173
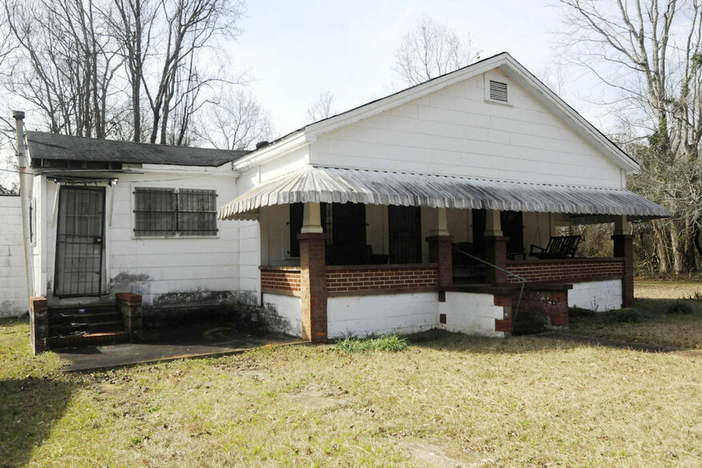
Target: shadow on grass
x=28, y=410
x=441, y=340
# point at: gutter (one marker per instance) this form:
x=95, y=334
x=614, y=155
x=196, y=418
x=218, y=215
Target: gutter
x=271, y=152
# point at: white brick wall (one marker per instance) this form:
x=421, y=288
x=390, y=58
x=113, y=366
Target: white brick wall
x=283, y=314
x=13, y=281
x=469, y=313
x=596, y=295
x=361, y=316
x=455, y=132
x=154, y=266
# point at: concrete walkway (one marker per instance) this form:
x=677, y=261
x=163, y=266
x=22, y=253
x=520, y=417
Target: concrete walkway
x=166, y=345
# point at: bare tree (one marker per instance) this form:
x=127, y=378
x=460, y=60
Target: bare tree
x=66, y=67
x=95, y=67
x=322, y=107
x=190, y=25
x=431, y=50
x=649, y=54
x=131, y=23
x=235, y=121
x=6, y=42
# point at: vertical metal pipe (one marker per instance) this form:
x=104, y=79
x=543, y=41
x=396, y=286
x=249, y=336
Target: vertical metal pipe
x=24, y=199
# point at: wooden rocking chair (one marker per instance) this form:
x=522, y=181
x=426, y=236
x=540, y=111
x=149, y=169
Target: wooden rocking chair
x=558, y=247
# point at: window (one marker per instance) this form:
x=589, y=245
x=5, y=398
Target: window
x=344, y=224
x=171, y=212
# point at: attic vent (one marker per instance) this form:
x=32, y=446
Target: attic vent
x=498, y=91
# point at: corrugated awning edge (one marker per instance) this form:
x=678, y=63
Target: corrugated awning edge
x=337, y=185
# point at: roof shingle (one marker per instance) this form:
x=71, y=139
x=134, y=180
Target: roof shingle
x=50, y=146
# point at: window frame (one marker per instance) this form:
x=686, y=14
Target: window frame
x=179, y=210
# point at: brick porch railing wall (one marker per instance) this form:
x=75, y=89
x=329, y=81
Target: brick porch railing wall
x=280, y=280
x=567, y=271
x=376, y=279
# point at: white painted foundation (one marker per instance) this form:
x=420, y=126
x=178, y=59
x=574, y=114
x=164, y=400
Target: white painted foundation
x=470, y=313
x=599, y=296
x=360, y=316
x=283, y=313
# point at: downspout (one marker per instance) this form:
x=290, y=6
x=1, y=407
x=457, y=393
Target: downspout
x=24, y=189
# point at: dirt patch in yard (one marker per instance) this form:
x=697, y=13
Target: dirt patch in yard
x=437, y=457
x=317, y=399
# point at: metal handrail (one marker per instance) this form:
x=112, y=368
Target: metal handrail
x=520, y=278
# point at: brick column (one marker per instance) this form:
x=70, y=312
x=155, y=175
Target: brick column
x=129, y=305
x=39, y=324
x=496, y=254
x=624, y=248
x=505, y=324
x=441, y=252
x=313, y=287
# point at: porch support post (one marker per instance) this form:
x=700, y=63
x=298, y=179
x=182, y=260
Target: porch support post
x=624, y=248
x=495, y=248
x=129, y=305
x=311, y=219
x=440, y=250
x=313, y=276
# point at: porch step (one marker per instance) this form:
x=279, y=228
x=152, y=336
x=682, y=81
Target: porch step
x=101, y=323
x=88, y=339
x=77, y=328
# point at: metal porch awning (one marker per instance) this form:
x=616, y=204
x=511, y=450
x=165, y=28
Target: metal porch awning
x=335, y=185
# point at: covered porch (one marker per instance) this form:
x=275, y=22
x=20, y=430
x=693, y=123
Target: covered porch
x=353, y=252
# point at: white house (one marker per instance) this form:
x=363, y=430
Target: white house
x=412, y=212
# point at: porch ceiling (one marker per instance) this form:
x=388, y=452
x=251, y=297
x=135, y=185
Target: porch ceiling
x=334, y=185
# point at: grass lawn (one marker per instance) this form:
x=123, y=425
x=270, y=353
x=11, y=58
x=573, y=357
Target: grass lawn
x=665, y=314
x=445, y=401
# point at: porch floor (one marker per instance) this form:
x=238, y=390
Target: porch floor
x=170, y=344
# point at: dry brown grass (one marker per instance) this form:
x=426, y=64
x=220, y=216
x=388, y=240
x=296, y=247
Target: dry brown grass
x=649, y=321
x=651, y=289
x=448, y=400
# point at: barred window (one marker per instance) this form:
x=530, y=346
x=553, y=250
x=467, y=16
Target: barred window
x=171, y=212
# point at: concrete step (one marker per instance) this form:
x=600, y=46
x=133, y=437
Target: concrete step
x=63, y=318
x=82, y=327
x=88, y=339
x=74, y=321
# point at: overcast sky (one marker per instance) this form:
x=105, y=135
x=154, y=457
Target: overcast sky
x=296, y=50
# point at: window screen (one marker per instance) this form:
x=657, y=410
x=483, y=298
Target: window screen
x=170, y=212
x=197, y=213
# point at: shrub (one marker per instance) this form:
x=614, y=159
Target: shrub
x=392, y=343
x=679, y=308
x=624, y=316
x=577, y=312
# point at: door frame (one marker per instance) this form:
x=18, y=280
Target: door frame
x=101, y=276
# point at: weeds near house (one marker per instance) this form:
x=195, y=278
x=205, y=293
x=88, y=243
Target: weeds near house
x=697, y=296
x=390, y=343
x=679, y=307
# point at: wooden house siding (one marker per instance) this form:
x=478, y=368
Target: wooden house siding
x=454, y=131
